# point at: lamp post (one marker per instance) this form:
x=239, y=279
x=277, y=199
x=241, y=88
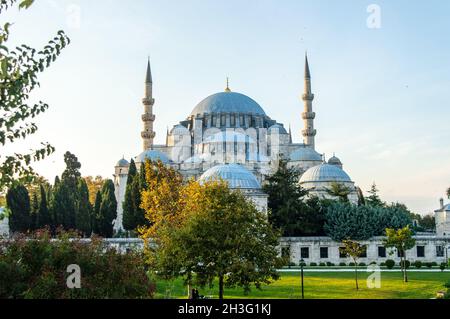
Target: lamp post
x=302, y=263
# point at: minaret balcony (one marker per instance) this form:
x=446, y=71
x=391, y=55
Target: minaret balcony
x=148, y=135
x=148, y=101
x=310, y=133
x=308, y=97
x=309, y=115
x=148, y=118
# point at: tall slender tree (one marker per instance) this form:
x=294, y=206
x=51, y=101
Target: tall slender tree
x=83, y=209
x=34, y=212
x=108, y=210
x=95, y=220
x=44, y=218
x=374, y=199
x=18, y=202
x=129, y=203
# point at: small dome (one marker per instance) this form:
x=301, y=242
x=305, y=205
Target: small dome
x=277, y=128
x=237, y=176
x=305, y=154
x=325, y=173
x=122, y=163
x=335, y=161
x=179, y=130
x=228, y=102
x=153, y=156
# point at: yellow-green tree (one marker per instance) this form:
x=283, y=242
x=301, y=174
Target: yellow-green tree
x=402, y=240
x=205, y=232
x=354, y=250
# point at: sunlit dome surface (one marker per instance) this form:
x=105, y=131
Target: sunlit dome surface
x=305, y=154
x=325, y=173
x=228, y=102
x=122, y=163
x=237, y=176
x=152, y=155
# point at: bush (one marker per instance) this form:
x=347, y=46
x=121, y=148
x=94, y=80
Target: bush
x=418, y=264
x=362, y=264
x=390, y=263
x=442, y=266
x=434, y=264
x=383, y=264
x=429, y=265
x=405, y=264
x=37, y=269
x=342, y=264
x=313, y=264
x=351, y=264
x=329, y=264
x=322, y=264
x=373, y=263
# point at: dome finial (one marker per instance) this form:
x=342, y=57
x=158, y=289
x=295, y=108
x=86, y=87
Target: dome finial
x=228, y=85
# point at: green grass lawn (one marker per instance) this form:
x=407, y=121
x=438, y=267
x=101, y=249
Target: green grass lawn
x=334, y=285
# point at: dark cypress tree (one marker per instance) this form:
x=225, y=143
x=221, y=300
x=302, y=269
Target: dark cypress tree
x=373, y=199
x=138, y=186
x=129, y=208
x=83, y=211
x=18, y=202
x=44, y=219
x=108, y=210
x=69, y=187
x=95, y=217
x=34, y=212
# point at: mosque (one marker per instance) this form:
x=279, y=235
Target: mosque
x=228, y=135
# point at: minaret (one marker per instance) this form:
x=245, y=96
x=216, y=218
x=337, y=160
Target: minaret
x=148, y=117
x=308, y=115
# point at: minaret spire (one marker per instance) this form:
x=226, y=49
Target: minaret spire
x=290, y=134
x=227, y=89
x=148, y=118
x=308, y=116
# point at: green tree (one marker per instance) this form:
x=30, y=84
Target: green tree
x=129, y=203
x=94, y=184
x=84, y=209
x=19, y=69
x=428, y=222
x=339, y=191
x=18, y=202
x=374, y=199
x=108, y=210
x=44, y=218
x=34, y=212
x=289, y=209
x=96, y=214
x=207, y=230
x=354, y=250
x=448, y=193
x=402, y=240
x=361, y=198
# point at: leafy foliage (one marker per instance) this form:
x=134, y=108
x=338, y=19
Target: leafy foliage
x=374, y=199
x=339, y=191
x=347, y=221
x=354, y=250
x=19, y=69
x=37, y=269
x=290, y=211
x=207, y=230
x=402, y=240
x=18, y=202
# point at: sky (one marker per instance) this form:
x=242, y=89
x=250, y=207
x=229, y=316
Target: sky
x=380, y=74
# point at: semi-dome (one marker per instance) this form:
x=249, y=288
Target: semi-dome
x=152, y=155
x=305, y=154
x=179, y=130
x=277, y=128
x=237, y=176
x=228, y=102
x=122, y=163
x=325, y=173
x=230, y=137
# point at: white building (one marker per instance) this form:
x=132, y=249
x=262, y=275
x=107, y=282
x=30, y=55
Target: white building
x=442, y=216
x=4, y=227
x=229, y=135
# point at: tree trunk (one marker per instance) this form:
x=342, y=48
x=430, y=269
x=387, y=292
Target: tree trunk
x=405, y=275
x=220, y=287
x=189, y=291
x=356, y=275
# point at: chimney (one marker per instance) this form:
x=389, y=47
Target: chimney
x=441, y=201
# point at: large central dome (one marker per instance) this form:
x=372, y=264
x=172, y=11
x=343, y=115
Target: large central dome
x=228, y=102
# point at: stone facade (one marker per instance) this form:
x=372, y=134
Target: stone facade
x=442, y=216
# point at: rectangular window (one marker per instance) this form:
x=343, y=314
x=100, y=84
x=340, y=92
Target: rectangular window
x=304, y=252
x=223, y=120
x=420, y=251
x=381, y=251
x=323, y=252
x=400, y=254
x=342, y=254
x=364, y=254
x=439, y=251
x=233, y=120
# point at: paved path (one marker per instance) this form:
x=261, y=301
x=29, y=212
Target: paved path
x=360, y=269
